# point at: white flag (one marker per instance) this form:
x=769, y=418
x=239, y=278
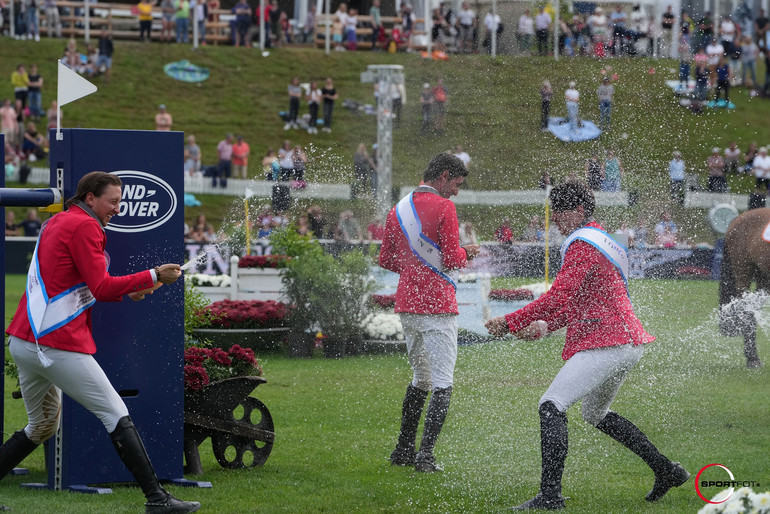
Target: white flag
x=72, y=86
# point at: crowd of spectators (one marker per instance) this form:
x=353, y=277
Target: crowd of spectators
x=29, y=227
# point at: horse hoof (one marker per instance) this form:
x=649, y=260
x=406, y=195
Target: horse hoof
x=753, y=363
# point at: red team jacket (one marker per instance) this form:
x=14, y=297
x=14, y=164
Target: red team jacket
x=589, y=298
x=71, y=251
x=420, y=290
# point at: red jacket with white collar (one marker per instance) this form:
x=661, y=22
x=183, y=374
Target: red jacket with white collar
x=589, y=298
x=71, y=251
x=420, y=290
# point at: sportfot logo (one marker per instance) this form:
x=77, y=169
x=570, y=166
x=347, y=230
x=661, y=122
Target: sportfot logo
x=147, y=202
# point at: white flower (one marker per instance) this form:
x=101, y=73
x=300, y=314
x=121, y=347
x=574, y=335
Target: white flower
x=203, y=280
x=710, y=508
x=761, y=501
x=383, y=326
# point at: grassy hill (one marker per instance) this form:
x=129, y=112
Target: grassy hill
x=493, y=113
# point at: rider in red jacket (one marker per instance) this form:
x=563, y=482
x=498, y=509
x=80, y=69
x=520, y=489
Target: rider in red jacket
x=605, y=340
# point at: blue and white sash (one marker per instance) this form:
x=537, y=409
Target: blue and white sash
x=47, y=314
x=425, y=249
x=602, y=241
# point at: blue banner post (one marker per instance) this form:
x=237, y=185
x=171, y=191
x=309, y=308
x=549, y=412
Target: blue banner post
x=139, y=344
x=2, y=299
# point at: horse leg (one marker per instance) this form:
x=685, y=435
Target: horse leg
x=727, y=294
x=749, y=329
x=744, y=319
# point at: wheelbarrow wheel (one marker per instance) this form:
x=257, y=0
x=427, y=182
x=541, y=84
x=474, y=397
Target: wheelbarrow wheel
x=234, y=451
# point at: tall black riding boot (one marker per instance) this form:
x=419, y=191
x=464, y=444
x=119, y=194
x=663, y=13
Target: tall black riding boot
x=14, y=451
x=411, y=412
x=438, y=407
x=553, y=448
x=132, y=452
x=667, y=474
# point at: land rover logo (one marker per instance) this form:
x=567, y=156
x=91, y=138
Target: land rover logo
x=147, y=202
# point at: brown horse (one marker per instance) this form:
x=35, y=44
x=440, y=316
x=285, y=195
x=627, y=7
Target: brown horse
x=746, y=260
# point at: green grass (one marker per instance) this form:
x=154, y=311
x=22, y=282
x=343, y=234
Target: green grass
x=493, y=112
x=337, y=420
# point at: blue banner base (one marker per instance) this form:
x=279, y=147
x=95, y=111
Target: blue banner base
x=183, y=482
x=84, y=489
x=19, y=471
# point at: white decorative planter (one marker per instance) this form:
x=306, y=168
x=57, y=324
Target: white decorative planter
x=256, y=283
x=215, y=294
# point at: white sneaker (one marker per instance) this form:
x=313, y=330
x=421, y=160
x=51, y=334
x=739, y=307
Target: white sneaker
x=287, y=126
x=37, y=37
x=315, y=130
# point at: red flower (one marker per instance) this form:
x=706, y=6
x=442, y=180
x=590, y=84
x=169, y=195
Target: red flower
x=511, y=295
x=263, y=261
x=195, y=377
x=248, y=313
x=384, y=301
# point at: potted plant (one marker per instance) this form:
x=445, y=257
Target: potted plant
x=343, y=302
x=301, y=282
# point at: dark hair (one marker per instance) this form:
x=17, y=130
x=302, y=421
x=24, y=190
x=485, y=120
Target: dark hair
x=441, y=163
x=95, y=182
x=572, y=194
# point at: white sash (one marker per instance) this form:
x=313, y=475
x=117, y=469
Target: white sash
x=603, y=242
x=426, y=250
x=47, y=314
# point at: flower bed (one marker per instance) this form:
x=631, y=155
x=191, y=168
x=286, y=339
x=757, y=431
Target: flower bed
x=383, y=326
x=206, y=365
x=511, y=295
x=203, y=280
x=383, y=301
x=247, y=314
x=743, y=500
x=263, y=261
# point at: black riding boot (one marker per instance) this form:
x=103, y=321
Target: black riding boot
x=667, y=474
x=131, y=450
x=14, y=451
x=438, y=407
x=411, y=412
x=553, y=448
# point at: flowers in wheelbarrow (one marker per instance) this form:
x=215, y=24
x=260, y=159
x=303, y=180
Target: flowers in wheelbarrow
x=206, y=365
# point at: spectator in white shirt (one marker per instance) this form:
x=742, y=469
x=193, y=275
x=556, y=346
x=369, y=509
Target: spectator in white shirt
x=762, y=169
x=525, y=31
x=676, y=172
x=542, y=25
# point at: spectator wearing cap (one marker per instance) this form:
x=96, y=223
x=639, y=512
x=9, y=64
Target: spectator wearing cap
x=716, y=166
x=762, y=168
x=163, y=120
x=676, y=172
